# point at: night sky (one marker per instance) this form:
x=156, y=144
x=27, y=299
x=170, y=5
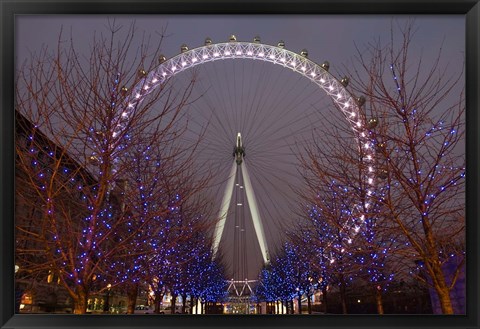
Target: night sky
x=287, y=104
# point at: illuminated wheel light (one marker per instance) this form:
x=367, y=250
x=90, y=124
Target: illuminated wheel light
x=194, y=60
x=353, y=114
x=357, y=229
x=363, y=134
x=184, y=64
x=313, y=74
x=146, y=87
x=174, y=68
x=130, y=105
x=322, y=80
x=227, y=53
x=304, y=68
x=339, y=96
x=164, y=74
x=205, y=56
x=369, y=157
x=370, y=169
x=293, y=63
x=125, y=114
x=249, y=53
x=359, y=124
x=216, y=54
x=154, y=80
x=137, y=96
x=369, y=193
x=367, y=145
x=283, y=60
x=272, y=56
x=238, y=52
x=330, y=87
x=261, y=54
x=349, y=240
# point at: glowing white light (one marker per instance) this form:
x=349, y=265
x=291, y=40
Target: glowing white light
x=369, y=193
x=353, y=114
x=130, y=105
x=238, y=52
x=194, y=60
x=293, y=63
x=239, y=204
x=146, y=87
x=283, y=60
x=272, y=56
x=125, y=114
x=339, y=95
x=367, y=145
x=359, y=124
x=114, y=134
x=249, y=53
x=369, y=157
x=164, y=74
x=304, y=68
x=370, y=181
x=174, y=68
x=313, y=74
x=362, y=218
x=228, y=53
x=261, y=54
x=137, y=95
x=322, y=80
x=357, y=229
x=363, y=134
x=216, y=54
x=342, y=250
x=154, y=80
x=184, y=63
x=332, y=261
x=205, y=56
x=349, y=240
x=330, y=87
x=370, y=169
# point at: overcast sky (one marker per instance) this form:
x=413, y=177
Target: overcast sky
x=331, y=38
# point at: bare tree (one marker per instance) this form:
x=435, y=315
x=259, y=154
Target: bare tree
x=416, y=124
x=84, y=106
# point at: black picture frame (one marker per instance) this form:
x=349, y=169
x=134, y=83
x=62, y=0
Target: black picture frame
x=9, y=9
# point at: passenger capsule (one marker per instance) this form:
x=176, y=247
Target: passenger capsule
x=256, y=39
x=360, y=100
x=208, y=42
x=124, y=90
x=183, y=48
x=304, y=53
x=161, y=59
x=325, y=65
x=344, y=81
x=281, y=44
x=232, y=38
x=372, y=123
x=142, y=73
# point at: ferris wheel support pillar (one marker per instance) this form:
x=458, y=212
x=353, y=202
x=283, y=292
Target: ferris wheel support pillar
x=239, y=166
x=257, y=223
x=222, y=216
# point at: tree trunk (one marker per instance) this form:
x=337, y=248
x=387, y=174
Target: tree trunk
x=80, y=300
x=441, y=288
x=157, y=301
x=299, y=303
x=132, y=293
x=343, y=297
x=184, y=303
x=191, y=304
x=309, y=303
x=172, y=304
x=379, y=300
x=291, y=307
x=325, y=299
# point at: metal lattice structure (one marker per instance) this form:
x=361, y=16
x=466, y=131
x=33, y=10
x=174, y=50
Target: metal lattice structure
x=278, y=55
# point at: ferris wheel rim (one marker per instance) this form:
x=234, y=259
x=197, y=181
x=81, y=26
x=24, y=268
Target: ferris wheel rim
x=277, y=55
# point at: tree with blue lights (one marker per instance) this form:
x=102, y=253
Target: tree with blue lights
x=84, y=118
